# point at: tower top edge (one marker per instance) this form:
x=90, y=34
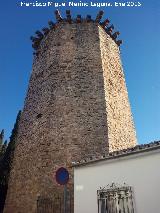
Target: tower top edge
x=105, y=24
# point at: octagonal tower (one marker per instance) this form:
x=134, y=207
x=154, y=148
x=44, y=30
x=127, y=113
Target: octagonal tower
x=76, y=106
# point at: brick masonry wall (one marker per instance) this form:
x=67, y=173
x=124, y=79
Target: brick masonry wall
x=72, y=107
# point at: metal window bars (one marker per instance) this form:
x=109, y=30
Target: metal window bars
x=115, y=199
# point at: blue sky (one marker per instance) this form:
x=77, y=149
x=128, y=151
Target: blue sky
x=140, y=31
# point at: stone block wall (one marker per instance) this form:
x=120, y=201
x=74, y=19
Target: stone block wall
x=121, y=131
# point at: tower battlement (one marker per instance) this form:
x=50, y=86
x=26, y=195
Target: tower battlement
x=40, y=35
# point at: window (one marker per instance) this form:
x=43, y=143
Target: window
x=115, y=199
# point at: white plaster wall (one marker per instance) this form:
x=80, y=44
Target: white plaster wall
x=141, y=171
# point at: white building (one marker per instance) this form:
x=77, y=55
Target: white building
x=138, y=168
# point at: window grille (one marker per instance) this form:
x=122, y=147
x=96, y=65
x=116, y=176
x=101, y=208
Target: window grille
x=115, y=199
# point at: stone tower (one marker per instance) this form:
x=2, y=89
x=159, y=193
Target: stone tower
x=76, y=106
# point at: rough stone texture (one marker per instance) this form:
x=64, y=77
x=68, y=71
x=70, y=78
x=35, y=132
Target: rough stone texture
x=76, y=106
x=121, y=132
